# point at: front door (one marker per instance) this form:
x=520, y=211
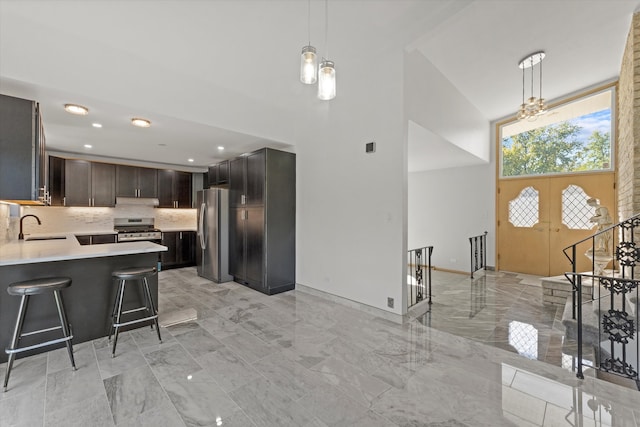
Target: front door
x=538, y=217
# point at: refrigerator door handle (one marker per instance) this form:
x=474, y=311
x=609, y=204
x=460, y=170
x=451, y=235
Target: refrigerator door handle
x=203, y=208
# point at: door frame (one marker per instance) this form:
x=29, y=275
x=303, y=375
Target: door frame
x=550, y=105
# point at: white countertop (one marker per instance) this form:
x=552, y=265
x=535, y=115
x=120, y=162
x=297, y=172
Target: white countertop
x=170, y=229
x=34, y=251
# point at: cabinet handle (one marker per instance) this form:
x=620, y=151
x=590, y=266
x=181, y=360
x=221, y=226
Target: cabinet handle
x=64, y=201
x=243, y=200
x=90, y=202
x=181, y=235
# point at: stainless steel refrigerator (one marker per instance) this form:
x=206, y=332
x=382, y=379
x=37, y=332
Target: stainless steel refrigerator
x=212, y=244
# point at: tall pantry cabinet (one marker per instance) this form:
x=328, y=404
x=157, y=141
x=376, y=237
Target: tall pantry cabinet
x=262, y=202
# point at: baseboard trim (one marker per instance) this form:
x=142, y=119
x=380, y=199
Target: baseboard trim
x=374, y=311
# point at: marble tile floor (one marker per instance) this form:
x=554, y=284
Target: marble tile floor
x=500, y=309
x=231, y=356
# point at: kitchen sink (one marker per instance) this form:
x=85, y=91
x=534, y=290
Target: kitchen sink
x=46, y=238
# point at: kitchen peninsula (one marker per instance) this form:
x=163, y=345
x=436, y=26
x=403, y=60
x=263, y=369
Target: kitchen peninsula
x=88, y=301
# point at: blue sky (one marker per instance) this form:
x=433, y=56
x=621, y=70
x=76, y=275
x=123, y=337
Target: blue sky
x=600, y=120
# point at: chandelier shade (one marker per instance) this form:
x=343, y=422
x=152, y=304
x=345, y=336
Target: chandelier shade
x=327, y=81
x=533, y=106
x=308, y=65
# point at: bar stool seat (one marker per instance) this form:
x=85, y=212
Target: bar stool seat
x=139, y=274
x=26, y=289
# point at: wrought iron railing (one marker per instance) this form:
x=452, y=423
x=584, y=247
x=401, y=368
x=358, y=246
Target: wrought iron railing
x=419, y=280
x=614, y=298
x=478, y=252
x=620, y=236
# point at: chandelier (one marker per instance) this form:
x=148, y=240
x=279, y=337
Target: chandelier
x=533, y=106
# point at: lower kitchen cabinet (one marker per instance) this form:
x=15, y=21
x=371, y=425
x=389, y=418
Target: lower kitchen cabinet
x=181, y=250
x=96, y=239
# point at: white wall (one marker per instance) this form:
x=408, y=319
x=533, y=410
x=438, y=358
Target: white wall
x=351, y=206
x=434, y=103
x=448, y=206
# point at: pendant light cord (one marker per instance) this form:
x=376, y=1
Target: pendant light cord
x=540, y=77
x=523, y=83
x=531, y=76
x=326, y=28
x=309, y=21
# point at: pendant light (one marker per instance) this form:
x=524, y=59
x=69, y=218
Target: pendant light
x=327, y=70
x=533, y=106
x=308, y=59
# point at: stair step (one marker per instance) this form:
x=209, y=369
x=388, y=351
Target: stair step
x=556, y=289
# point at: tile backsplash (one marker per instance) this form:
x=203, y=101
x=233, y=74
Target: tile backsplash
x=88, y=219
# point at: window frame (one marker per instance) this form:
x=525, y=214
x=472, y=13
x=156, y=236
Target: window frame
x=611, y=87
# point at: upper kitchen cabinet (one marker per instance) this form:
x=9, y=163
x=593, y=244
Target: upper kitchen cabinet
x=218, y=174
x=132, y=181
x=56, y=181
x=22, y=144
x=247, y=179
x=81, y=183
x=174, y=189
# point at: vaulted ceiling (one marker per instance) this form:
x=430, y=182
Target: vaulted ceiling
x=225, y=72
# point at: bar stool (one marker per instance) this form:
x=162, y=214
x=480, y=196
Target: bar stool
x=26, y=289
x=139, y=274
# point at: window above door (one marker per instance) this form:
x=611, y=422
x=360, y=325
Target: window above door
x=572, y=137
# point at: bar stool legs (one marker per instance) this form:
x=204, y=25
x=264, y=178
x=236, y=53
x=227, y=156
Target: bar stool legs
x=26, y=289
x=66, y=328
x=140, y=275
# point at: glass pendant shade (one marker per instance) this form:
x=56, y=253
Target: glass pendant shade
x=327, y=81
x=308, y=65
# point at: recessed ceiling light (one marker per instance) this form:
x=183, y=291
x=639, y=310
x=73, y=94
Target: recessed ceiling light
x=88, y=146
x=190, y=160
x=141, y=123
x=76, y=109
x=96, y=125
x=220, y=147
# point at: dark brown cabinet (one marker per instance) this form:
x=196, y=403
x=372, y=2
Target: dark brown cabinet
x=56, y=181
x=96, y=239
x=133, y=181
x=22, y=144
x=262, y=220
x=174, y=189
x=218, y=174
x=247, y=180
x=76, y=182
x=180, y=249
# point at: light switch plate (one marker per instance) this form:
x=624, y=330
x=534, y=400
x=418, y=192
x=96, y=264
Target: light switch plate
x=370, y=147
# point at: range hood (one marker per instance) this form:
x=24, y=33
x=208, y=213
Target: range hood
x=136, y=201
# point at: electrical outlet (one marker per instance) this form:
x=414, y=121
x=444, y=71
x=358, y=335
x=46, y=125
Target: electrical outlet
x=390, y=302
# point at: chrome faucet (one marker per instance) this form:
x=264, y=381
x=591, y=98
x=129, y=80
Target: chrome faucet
x=21, y=235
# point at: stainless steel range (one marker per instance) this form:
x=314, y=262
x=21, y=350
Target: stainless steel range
x=136, y=229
